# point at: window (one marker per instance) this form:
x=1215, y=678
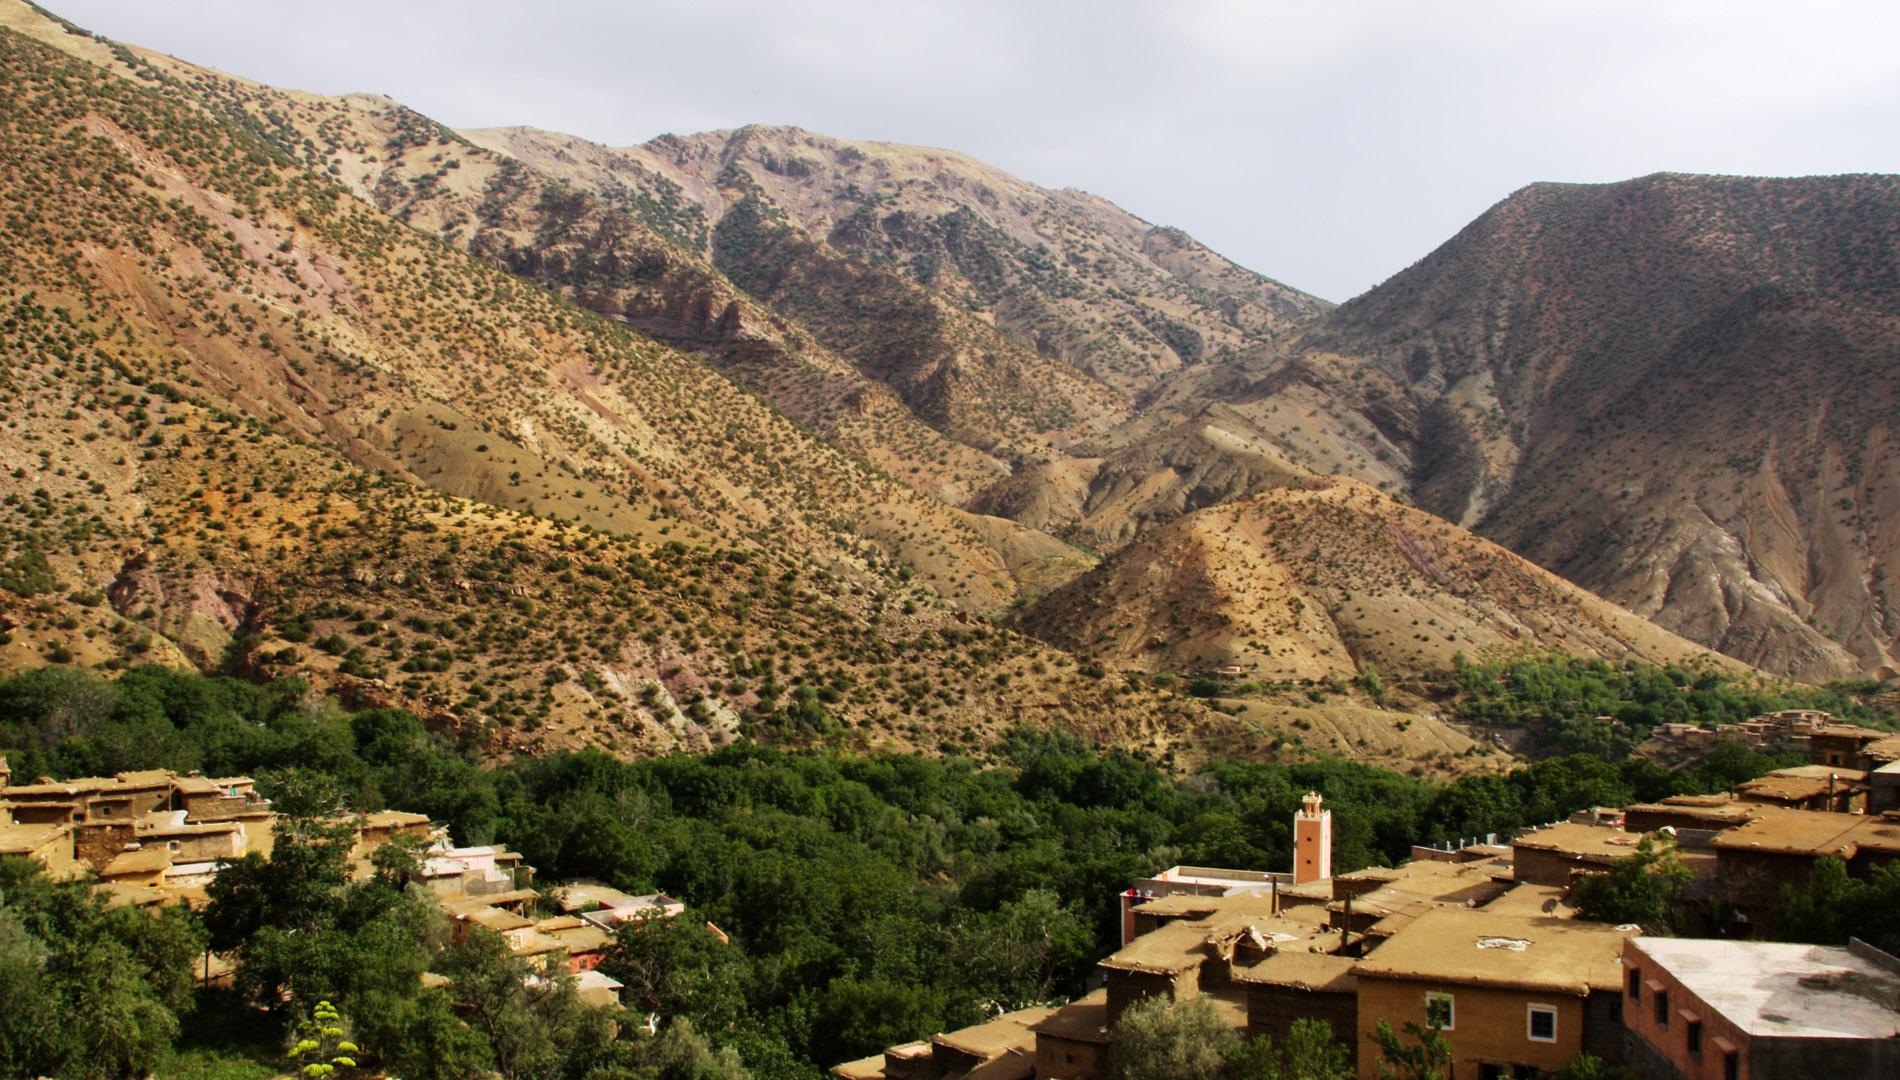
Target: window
x=1693, y=1029
x=1488, y=1071
x=1542, y=1023
x=1662, y=1008
x=1731, y=1066
x=1636, y=985
x=1438, y=1011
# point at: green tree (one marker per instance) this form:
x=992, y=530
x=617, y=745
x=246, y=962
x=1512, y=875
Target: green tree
x=1590, y=1067
x=1017, y=955
x=1427, y=1056
x=1830, y=906
x=1310, y=1052
x=1644, y=888
x=1157, y=1039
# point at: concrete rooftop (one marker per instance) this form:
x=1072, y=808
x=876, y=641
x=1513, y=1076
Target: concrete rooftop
x=1774, y=989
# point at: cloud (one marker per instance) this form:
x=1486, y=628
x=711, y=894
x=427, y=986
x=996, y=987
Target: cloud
x=1327, y=145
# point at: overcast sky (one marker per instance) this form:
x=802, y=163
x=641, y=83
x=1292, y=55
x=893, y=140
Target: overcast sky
x=1327, y=143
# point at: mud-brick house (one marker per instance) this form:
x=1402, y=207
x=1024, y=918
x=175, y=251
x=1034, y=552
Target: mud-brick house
x=1758, y=859
x=1072, y=1043
x=1289, y=986
x=1516, y=995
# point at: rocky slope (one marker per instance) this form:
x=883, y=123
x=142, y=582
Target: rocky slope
x=1077, y=277
x=1328, y=578
x=253, y=422
x=1678, y=392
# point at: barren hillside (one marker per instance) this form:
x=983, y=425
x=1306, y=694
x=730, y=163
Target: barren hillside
x=1678, y=391
x=253, y=422
x=1328, y=578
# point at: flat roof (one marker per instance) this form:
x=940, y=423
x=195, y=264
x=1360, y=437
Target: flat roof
x=1423, y=883
x=82, y=786
x=1526, y=898
x=1813, y=833
x=1083, y=1020
x=1595, y=843
x=1802, y=782
x=389, y=819
x=871, y=1068
x=993, y=1038
x=1770, y=988
x=143, y=861
x=1483, y=948
x=1722, y=813
x=1172, y=948
x=26, y=839
x=1319, y=972
x=495, y=919
x=597, y=980
x=1853, y=731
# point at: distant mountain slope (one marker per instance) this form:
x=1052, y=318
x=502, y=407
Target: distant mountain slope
x=251, y=421
x=1677, y=391
x=1071, y=274
x=1329, y=578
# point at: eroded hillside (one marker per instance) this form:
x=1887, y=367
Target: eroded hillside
x=253, y=422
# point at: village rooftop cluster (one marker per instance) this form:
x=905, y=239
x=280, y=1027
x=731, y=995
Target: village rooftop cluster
x=1483, y=941
x=155, y=837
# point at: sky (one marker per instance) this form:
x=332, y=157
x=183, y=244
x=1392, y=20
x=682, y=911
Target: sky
x=1325, y=143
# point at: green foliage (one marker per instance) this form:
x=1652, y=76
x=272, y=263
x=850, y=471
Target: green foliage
x=1591, y=1067
x=870, y=899
x=1311, y=1051
x=1830, y=907
x=1157, y=1039
x=1561, y=696
x=27, y=574
x=88, y=992
x=1422, y=1053
x=323, y=1046
x=1644, y=888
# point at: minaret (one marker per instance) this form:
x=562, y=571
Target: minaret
x=1312, y=841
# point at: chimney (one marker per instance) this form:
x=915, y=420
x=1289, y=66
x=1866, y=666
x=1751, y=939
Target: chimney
x=1312, y=841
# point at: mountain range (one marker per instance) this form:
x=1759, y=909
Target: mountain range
x=767, y=433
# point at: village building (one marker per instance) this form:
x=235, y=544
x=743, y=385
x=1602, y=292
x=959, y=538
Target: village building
x=606, y=907
x=51, y=844
x=1751, y=1010
x=487, y=870
x=1516, y=995
x=1841, y=745
x=1287, y=986
x=1072, y=1042
x=1808, y=787
x=1551, y=855
x=1689, y=813
x=1883, y=788
x=1759, y=858
x=1378, y=902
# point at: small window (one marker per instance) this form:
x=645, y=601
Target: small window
x=1731, y=1066
x=1636, y=985
x=1542, y=1022
x=1488, y=1071
x=1693, y=1032
x=1662, y=1008
x=1439, y=1012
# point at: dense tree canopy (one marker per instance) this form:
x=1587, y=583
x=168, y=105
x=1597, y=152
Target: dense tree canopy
x=867, y=899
